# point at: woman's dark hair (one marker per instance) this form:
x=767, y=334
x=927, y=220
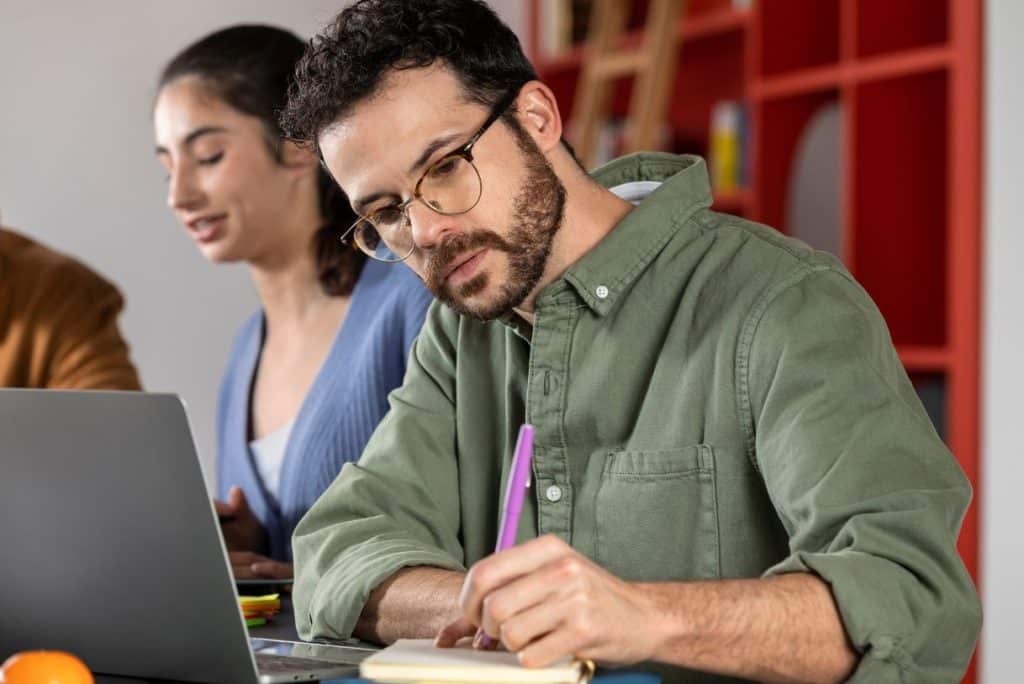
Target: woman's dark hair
x=347, y=61
x=250, y=67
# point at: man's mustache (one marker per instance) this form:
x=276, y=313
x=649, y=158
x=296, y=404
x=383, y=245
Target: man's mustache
x=457, y=245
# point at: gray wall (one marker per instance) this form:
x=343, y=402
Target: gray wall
x=1003, y=347
x=77, y=169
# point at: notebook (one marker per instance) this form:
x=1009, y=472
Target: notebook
x=419, y=660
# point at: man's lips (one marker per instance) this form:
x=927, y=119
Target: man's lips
x=463, y=269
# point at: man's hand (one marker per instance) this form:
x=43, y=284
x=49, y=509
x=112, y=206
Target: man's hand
x=544, y=600
x=242, y=530
x=249, y=565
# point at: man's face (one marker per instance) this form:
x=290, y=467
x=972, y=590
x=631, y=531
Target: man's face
x=483, y=262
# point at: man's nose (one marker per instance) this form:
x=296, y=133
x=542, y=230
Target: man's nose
x=427, y=226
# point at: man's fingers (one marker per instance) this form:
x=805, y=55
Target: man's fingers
x=519, y=595
x=549, y=648
x=531, y=625
x=501, y=568
x=452, y=633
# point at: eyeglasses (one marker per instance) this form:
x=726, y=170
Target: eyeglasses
x=450, y=186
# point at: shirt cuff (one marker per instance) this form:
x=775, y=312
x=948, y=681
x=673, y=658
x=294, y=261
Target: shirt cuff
x=878, y=610
x=342, y=592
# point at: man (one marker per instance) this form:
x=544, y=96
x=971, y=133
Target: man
x=732, y=473
x=58, y=322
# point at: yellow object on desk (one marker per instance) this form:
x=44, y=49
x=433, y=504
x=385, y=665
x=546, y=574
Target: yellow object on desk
x=256, y=608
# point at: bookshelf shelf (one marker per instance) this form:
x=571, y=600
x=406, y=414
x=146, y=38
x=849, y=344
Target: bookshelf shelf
x=815, y=79
x=923, y=359
x=797, y=83
x=903, y=80
x=905, y=63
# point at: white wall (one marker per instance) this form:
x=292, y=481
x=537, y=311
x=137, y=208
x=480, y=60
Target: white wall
x=77, y=169
x=1003, y=381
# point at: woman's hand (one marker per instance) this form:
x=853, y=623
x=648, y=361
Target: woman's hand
x=242, y=530
x=248, y=565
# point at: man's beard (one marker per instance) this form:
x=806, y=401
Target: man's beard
x=538, y=210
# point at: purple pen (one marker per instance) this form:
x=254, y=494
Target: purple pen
x=515, y=493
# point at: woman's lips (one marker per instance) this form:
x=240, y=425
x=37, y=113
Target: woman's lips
x=206, y=230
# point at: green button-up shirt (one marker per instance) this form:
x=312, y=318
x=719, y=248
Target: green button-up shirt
x=711, y=400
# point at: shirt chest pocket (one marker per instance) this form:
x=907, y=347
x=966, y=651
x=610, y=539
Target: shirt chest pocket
x=657, y=515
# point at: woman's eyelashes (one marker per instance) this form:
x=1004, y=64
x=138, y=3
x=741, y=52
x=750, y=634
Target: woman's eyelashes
x=212, y=159
x=200, y=161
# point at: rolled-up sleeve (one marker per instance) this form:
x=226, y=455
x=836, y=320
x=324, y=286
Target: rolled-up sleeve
x=398, y=507
x=870, y=497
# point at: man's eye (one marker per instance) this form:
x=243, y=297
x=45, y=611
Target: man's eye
x=445, y=167
x=387, y=216
x=212, y=159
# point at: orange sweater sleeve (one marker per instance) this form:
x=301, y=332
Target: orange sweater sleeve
x=62, y=331
x=87, y=350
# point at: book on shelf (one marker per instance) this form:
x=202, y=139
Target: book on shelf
x=555, y=27
x=564, y=23
x=728, y=160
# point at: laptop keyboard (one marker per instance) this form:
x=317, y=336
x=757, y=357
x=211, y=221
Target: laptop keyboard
x=269, y=663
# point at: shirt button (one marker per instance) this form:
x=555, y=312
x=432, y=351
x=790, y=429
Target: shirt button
x=554, y=493
x=602, y=292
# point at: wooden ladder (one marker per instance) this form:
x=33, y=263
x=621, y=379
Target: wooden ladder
x=652, y=63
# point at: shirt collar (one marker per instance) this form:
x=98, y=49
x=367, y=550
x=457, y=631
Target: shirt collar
x=602, y=275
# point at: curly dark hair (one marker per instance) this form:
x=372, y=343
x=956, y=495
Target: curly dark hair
x=250, y=67
x=347, y=61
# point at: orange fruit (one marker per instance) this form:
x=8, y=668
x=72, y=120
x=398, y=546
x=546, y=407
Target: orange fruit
x=44, y=667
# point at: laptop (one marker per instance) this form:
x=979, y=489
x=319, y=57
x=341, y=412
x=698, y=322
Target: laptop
x=111, y=548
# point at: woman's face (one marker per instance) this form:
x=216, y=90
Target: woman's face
x=224, y=185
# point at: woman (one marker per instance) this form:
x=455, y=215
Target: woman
x=308, y=377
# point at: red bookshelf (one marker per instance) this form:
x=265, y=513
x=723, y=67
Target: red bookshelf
x=906, y=77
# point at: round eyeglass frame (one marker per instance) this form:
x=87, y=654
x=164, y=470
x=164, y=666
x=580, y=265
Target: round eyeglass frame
x=464, y=152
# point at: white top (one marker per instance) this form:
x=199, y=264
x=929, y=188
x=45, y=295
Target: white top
x=634, y=191
x=268, y=453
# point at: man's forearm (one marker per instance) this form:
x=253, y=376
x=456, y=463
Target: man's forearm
x=413, y=603
x=781, y=629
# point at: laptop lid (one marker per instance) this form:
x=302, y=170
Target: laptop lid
x=109, y=540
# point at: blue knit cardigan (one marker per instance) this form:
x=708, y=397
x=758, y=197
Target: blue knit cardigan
x=342, y=407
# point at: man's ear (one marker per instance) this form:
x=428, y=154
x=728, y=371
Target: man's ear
x=298, y=156
x=537, y=111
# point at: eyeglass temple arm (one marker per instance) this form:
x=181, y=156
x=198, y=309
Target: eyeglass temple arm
x=504, y=103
